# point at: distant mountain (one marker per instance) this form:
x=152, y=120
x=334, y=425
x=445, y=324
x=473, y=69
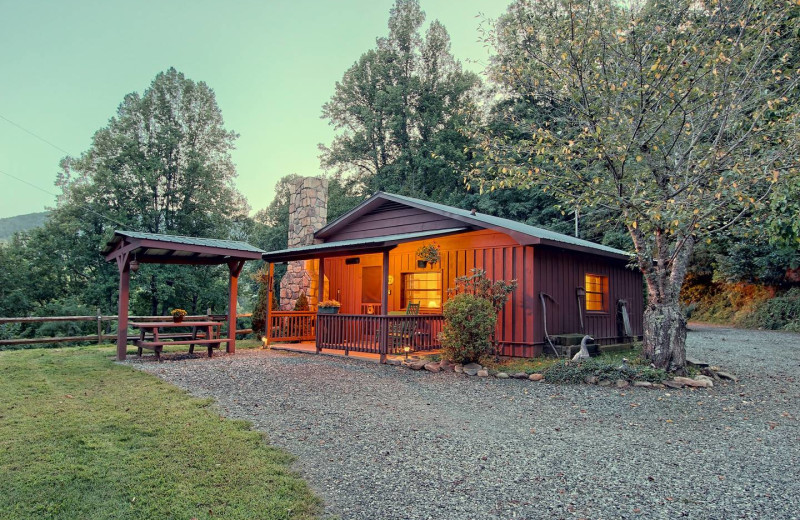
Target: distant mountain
x=11, y=225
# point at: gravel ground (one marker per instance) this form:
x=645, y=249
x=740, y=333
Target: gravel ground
x=383, y=442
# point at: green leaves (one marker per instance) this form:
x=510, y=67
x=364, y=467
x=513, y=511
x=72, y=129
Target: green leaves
x=673, y=116
x=398, y=111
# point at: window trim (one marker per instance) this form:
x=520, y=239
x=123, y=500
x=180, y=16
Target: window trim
x=422, y=308
x=604, y=293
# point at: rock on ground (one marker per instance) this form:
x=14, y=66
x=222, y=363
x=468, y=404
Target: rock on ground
x=391, y=443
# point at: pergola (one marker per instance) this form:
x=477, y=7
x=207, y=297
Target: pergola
x=129, y=247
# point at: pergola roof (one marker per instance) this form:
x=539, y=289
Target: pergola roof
x=175, y=249
x=353, y=246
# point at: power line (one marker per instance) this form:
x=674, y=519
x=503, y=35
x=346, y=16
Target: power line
x=84, y=205
x=42, y=139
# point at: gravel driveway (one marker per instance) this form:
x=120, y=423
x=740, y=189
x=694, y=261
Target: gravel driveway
x=383, y=442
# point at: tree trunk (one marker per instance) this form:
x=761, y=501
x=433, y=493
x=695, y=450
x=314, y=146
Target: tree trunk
x=665, y=336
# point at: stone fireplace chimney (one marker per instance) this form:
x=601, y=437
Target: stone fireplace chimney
x=308, y=212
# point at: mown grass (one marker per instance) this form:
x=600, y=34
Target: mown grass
x=84, y=438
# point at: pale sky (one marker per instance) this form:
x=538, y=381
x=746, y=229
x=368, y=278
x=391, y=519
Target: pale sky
x=66, y=65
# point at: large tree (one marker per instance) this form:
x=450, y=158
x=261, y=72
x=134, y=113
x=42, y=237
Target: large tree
x=161, y=165
x=678, y=116
x=398, y=110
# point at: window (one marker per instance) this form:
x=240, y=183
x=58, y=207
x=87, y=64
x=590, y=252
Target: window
x=424, y=288
x=596, y=293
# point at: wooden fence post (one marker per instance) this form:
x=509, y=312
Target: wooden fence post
x=99, y=327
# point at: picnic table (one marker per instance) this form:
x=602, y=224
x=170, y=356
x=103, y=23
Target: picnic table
x=203, y=333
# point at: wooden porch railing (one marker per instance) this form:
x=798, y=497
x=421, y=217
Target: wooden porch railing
x=292, y=326
x=378, y=334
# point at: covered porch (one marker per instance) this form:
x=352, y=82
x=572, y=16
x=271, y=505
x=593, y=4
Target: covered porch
x=390, y=304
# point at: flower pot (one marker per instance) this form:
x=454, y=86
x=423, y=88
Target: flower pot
x=328, y=310
x=177, y=319
x=422, y=264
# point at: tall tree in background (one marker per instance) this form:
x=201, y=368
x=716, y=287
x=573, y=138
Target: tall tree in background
x=399, y=109
x=161, y=165
x=679, y=116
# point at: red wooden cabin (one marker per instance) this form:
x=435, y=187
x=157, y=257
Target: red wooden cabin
x=369, y=264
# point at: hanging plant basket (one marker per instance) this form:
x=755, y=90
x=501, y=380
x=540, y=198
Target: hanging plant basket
x=428, y=254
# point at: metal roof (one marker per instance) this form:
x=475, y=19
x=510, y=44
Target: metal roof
x=524, y=233
x=353, y=246
x=515, y=226
x=160, y=248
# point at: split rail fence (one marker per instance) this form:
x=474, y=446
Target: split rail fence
x=104, y=328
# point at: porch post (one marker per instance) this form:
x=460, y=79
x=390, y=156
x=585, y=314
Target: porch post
x=320, y=299
x=321, y=282
x=270, y=289
x=124, y=265
x=235, y=269
x=385, y=307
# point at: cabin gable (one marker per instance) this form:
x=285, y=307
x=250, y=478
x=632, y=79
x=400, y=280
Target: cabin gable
x=391, y=218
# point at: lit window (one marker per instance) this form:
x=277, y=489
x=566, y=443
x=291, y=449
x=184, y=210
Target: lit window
x=423, y=288
x=596, y=293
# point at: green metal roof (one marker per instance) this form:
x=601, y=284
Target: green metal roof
x=353, y=246
x=498, y=222
x=178, y=239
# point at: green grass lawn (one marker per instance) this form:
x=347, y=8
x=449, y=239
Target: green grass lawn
x=84, y=438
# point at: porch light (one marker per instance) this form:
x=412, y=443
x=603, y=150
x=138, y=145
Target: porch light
x=134, y=265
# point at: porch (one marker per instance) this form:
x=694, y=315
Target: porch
x=354, y=334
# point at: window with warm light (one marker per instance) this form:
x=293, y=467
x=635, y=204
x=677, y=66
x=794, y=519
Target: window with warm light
x=596, y=293
x=423, y=288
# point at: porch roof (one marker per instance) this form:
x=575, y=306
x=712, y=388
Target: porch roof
x=354, y=246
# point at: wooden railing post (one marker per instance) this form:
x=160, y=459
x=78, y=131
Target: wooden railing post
x=318, y=333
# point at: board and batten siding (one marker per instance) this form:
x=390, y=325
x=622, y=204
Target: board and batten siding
x=495, y=252
x=559, y=273
x=394, y=219
x=520, y=330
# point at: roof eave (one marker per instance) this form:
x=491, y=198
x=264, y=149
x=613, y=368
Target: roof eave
x=584, y=249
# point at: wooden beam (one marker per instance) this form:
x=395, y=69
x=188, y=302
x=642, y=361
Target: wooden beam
x=235, y=269
x=321, y=282
x=270, y=288
x=384, y=339
x=124, y=264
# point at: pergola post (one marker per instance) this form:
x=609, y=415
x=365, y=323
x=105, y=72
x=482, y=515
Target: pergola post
x=235, y=269
x=384, y=339
x=124, y=265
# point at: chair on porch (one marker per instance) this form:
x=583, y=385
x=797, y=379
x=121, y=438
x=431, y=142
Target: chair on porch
x=401, y=332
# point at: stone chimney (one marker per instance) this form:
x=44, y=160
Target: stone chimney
x=308, y=212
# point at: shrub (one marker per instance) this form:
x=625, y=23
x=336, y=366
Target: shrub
x=576, y=372
x=779, y=313
x=469, y=323
x=302, y=303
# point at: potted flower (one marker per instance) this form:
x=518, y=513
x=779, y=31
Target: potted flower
x=328, y=307
x=177, y=315
x=428, y=254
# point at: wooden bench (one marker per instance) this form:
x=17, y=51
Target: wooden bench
x=157, y=346
x=156, y=342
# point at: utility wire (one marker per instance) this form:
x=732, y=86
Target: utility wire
x=42, y=139
x=84, y=205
